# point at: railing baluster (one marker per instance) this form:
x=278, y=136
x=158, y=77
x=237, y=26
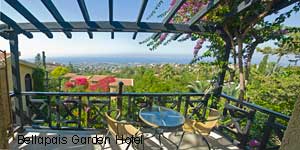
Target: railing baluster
x=119, y=98
x=159, y=100
x=49, y=112
x=129, y=115
x=57, y=112
x=187, y=100
x=267, y=132
x=28, y=106
x=79, y=111
x=134, y=105
x=109, y=104
x=88, y=113
x=179, y=103
x=151, y=101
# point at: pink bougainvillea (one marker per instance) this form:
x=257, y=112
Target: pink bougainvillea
x=81, y=81
x=183, y=15
x=163, y=37
x=198, y=46
x=69, y=84
x=93, y=87
x=102, y=84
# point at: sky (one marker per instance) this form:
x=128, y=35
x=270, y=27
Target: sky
x=101, y=44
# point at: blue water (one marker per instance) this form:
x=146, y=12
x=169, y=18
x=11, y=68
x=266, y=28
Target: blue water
x=135, y=59
x=121, y=59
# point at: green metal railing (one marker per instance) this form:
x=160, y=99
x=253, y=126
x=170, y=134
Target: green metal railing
x=85, y=110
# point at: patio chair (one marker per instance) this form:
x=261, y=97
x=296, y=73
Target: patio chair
x=121, y=128
x=202, y=127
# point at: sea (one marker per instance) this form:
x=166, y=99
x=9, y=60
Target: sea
x=144, y=59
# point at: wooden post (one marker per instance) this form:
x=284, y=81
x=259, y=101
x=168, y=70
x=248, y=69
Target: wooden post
x=267, y=132
x=4, y=107
x=58, y=102
x=15, y=68
x=119, y=99
x=217, y=92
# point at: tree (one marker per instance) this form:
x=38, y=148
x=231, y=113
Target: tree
x=71, y=67
x=38, y=77
x=265, y=31
x=289, y=44
x=263, y=64
x=240, y=29
x=250, y=29
x=291, y=136
x=59, y=72
x=38, y=60
x=167, y=71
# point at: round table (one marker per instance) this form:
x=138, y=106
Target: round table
x=161, y=117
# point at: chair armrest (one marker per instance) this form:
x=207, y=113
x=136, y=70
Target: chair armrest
x=129, y=122
x=217, y=118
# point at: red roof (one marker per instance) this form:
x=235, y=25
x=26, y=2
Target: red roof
x=127, y=82
x=78, y=76
x=70, y=75
x=2, y=56
x=7, y=55
x=99, y=77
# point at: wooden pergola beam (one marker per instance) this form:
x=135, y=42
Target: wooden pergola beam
x=117, y=26
x=282, y=4
x=58, y=17
x=14, y=25
x=173, y=11
x=27, y=14
x=85, y=15
x=140, y=16
x=203, y=11
x=155, y=36
x=175, y=37
x=111, y=13
x=170, y=15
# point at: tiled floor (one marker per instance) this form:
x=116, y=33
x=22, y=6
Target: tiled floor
x=68, y=141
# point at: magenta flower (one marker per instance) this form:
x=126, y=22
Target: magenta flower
x=69, y=84
x=172, y=3
x=81, y=81
x=196, y=51
x=163, y=37
x=254, y=143
x=87, y=109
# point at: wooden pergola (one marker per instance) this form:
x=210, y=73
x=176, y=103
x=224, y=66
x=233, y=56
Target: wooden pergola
x=11, y=29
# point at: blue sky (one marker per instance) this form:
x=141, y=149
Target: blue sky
x=80, y=44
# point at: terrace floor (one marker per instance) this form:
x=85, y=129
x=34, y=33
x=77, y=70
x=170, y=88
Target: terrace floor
x=190, y=141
